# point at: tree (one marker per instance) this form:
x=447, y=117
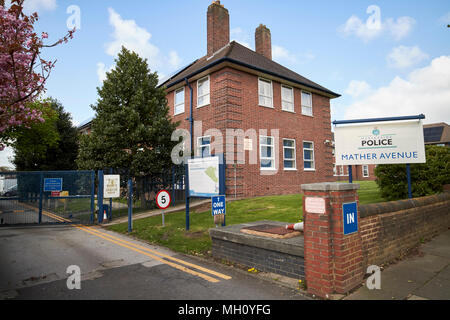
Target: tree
x=23, y=72
x=131, y=129
x=426, y=178
x=51, y=145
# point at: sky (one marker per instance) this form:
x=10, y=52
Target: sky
x=386, y=58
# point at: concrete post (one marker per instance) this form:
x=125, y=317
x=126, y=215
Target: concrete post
x=333, y=261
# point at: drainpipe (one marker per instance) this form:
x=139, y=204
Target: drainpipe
x=191, y=119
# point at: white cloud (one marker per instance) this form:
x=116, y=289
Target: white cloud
x=375, y=26
x=101, y=71
x=358, y=89
x=31, y=6
x=445, y=19
x=404, y=57
x=283, y=55
x=241, y=36
x=425, y=90
x=6, y=156
x=135, y=38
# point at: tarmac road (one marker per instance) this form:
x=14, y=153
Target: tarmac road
x=35, y=260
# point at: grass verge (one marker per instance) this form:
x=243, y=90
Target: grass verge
x=196, y=241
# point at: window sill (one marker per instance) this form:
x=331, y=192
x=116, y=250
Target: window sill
x=268, y=169
x=177, y=114
x=309, y=169
x=266, y=106
x=290, y=169
x=203, y=105
x=288, y=111
x=308, y=115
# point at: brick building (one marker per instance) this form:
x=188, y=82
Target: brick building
x=285, y=117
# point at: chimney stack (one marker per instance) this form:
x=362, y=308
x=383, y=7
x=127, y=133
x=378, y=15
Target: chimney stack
x=263, y=41
x=218, y=24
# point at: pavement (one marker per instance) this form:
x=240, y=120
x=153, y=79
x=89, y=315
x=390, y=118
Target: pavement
x=423, y=276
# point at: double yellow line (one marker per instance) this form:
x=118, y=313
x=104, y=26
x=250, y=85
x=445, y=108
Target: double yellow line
x=161, y=257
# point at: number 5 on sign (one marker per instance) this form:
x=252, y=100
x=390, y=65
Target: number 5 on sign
x=163, y=199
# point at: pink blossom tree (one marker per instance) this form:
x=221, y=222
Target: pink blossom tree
x=23, y=72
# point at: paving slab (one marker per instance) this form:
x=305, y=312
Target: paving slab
x=436, y=289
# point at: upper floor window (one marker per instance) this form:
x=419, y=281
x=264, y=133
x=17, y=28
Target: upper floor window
x=287, y=98
x=203, y=97
x=179, y=101
x=307, y=103
x=204, y=146
x=265, y=93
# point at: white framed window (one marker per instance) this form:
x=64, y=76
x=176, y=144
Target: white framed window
x=266, y=153
x=308, y=156
x=287, y=98
x=204, y=146
x=365, y=171
x=341, y=170
x=265, y=93
x=334, y=170
x=203, y=97
x=307, y=103
x=290, y=162
x=179, y=101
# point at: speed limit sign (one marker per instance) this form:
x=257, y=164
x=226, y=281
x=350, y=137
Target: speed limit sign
x=163, y=199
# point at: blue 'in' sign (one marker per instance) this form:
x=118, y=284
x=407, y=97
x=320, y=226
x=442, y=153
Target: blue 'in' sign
x=350, y=212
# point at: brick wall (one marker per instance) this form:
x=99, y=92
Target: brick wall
x=389, y=229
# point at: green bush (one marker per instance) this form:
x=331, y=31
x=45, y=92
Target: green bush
x=426, y=178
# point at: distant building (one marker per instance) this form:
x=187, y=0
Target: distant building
x=437, y=134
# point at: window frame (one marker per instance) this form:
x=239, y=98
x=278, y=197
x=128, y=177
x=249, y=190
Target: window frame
x=208, y=94
x=261, y=145
x=291, y=102
x=175, y=101
x=294, y=168
x=313, y=167
x=201, y=146
x=362, y=168
x=302, y=106
x=271, y=92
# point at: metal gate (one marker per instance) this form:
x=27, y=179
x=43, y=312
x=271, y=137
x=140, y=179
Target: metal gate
x=47, y=197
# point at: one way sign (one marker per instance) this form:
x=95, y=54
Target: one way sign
x=218, y=205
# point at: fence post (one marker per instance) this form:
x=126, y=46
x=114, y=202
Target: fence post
x=92, y=196
x=100, y=196
x=41, y=194
x=130, y=205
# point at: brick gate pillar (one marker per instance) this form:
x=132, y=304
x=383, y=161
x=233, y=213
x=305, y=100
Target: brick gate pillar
x=333, y=261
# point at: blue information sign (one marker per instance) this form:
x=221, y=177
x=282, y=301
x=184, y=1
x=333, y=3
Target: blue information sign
x=350, y=212
x=53, y=184
x=218, y=205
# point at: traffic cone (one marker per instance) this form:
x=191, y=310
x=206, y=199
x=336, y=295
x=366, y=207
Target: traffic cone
x=105, y=216
x=295, y=226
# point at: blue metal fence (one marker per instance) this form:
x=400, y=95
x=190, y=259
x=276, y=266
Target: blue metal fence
x=38, y=197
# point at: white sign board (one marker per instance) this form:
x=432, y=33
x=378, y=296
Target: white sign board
x=315, y=205
x=203, y=177
x=380, y=143
x=111, y=186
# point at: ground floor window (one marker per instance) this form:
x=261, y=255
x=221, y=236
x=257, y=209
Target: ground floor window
x=365, y=171
x=266, y=152
x=289, y=154
x=308, y=155
x=204, y=146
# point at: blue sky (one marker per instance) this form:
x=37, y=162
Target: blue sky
x=384, y=57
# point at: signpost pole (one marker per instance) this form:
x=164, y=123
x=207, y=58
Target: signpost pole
x=408, y=178
x=350, y=174
x=186, y=186
x=100, y=196
x=130, y=205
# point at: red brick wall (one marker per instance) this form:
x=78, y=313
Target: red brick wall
x=386, y=236
x=234, y=104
